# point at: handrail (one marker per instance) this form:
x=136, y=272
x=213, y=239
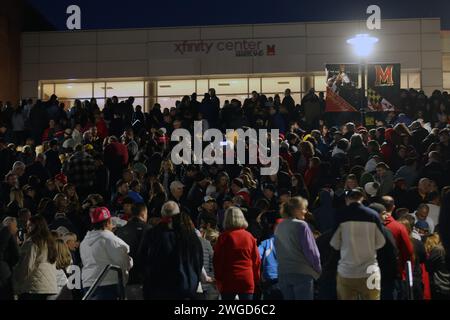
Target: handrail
x=100, y=278
x=410, y=280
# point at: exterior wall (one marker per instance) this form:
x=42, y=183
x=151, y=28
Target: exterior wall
x=10, y=50
x=445, y=36
x=297, y=48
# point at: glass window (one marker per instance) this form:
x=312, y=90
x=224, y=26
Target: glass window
x=47, y=90
x=240, y=97
x=297, y=98
x=99, y=89
x=404, y=81
x=320, y=83
x=101, y=103
x=176, y=88
x=227, y=86
x=68, y=103
x=272, y=85
x=447, y=80
x=446, y=62
x=125, y=89
x=167, y=102
x=139, y=102
x=73, y=90
x=254, y=85
x=202, y=88
x=414, y=80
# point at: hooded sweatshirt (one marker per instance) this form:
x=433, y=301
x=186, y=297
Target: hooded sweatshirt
x=100, y=248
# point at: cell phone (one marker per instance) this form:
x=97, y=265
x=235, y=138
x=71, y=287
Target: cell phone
x=21, y=235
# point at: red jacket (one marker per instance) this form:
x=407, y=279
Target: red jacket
x=236, y=262
x=404, y=244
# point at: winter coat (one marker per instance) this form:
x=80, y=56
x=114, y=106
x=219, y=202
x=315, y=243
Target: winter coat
x=100, y=248
x=172, y=269
x=34, y=274
x=236, y=262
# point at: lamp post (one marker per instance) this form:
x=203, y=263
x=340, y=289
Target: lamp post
x=363, y=46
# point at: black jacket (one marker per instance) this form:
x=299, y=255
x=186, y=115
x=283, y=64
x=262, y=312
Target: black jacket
x=439, y=274
x=132, y=234
x=172, y=266
x=9, y=256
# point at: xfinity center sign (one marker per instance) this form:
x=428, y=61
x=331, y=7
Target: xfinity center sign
x=240, y=48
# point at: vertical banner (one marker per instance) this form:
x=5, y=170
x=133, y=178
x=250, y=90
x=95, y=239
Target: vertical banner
x=383, y=86
x=342, y=88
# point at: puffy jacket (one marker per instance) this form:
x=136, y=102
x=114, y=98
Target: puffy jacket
x=100, y=248
x=34, y=274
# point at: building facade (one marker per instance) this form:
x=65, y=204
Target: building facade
x=163, y=64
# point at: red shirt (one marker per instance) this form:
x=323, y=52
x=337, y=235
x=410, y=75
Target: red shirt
x=236, y=262
x=404, y=244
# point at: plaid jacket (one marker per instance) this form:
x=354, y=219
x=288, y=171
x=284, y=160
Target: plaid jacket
x=80, y=170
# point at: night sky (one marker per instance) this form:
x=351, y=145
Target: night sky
x=102, y=14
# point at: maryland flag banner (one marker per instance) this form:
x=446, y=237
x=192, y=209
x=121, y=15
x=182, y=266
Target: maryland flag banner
x=342, y=88
x=383, y=86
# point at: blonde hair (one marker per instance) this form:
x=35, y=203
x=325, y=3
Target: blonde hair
x=63, y=256
x=234, y=219
x=248, y=181
x=69, y=236
x=289, y=207
x=432, y=242
x=17, y=195
x=211, y=235
x=171, y=167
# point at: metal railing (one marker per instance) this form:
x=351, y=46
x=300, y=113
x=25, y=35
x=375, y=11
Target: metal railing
x=410, y=280
x=100, y=278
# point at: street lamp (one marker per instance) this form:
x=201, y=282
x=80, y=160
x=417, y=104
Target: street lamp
x=363, y=45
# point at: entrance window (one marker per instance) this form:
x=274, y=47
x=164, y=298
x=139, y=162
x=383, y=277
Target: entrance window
x=229, y=86
x=222, y=98
x=447, y=80
x=202, y=88
x=168, y=102
x=273, y=85
x=99, y=89
x=47, y=90
x=254, y=84
x=73, y=90
x=320, y=83
x=176, y=88
x=125, y=89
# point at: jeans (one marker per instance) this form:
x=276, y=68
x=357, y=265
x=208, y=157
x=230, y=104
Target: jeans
x=296, y=286
x=110, y=292
x=232, y=296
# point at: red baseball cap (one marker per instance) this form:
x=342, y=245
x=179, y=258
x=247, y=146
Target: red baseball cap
x=61, y=178
x=99, y=214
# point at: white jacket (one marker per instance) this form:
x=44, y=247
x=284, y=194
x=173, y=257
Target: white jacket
x=33, y=273
x=100, y=248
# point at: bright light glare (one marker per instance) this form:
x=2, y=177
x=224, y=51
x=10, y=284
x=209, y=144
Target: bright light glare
x=362, y=44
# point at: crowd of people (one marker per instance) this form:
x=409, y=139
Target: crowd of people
x=353, y=212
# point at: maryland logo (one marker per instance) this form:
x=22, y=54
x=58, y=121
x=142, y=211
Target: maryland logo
x=383, y=78
x=271, y=50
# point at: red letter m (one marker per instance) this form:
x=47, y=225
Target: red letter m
x=383, y=77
